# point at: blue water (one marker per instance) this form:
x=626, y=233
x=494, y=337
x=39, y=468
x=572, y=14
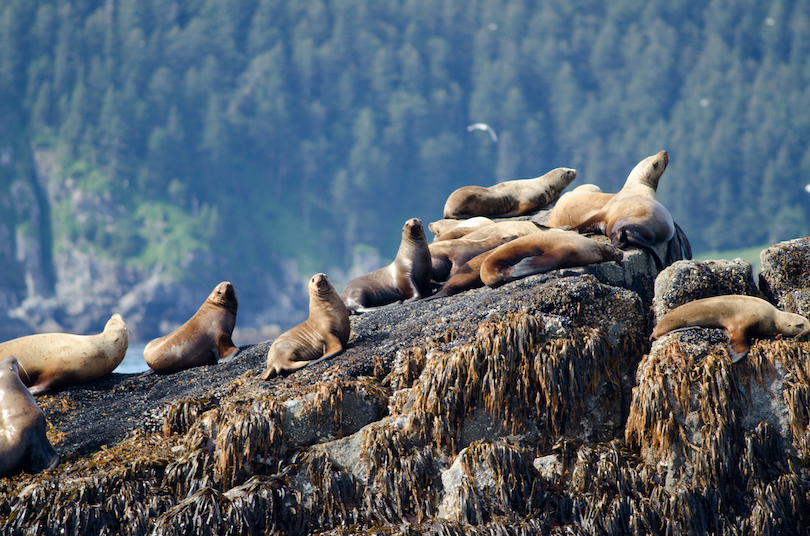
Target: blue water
x=133, y=362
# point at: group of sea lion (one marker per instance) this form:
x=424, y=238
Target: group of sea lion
x=465, y=254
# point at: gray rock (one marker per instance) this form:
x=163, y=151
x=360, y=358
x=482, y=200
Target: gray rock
x=785, y=276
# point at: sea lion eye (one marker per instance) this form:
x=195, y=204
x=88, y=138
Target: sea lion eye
x=655, y=165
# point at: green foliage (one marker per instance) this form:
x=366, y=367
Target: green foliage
x=278, y=128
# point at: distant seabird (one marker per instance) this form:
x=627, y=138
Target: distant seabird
x=483, y=126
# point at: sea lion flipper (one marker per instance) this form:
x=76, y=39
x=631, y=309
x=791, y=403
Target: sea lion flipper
x=738, y=344
x=230, y=356
x=631, y=237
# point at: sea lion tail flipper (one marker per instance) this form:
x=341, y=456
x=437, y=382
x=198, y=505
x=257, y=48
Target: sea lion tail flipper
x=230, y=356
x=683, y=241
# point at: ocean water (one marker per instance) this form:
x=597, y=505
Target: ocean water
x=133, y=362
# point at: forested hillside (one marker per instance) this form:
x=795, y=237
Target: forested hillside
x=226, y=135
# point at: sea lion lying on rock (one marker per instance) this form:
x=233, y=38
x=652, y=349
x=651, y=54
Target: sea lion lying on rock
x=51, y=360
x=322, y=336
x=741, y=316
x=510, y=198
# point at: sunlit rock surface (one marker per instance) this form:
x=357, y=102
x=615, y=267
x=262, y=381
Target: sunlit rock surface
x=535, y=408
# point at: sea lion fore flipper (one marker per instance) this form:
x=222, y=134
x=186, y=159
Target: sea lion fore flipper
x=631, y=237
x=738, y=343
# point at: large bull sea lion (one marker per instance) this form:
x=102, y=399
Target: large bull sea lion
x=204, y=339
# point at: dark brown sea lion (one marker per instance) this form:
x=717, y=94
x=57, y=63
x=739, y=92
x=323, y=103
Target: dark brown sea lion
x=405, y=279
x=447, y=255
x=741, y=316
x=510, y=198
x=634, y=217
x=204, y=339
x=322, y=336
x=51, y=360
x=24, y=445
x=543, y=252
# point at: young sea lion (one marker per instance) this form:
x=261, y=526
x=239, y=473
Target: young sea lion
x=741, y=316
x=576, y=206
x=204, y=339
x=405, y=279
x=448, y=255
x=50, y=360
x=543, y=252
x=510, y=198
x=323, y=335
x=24, y=445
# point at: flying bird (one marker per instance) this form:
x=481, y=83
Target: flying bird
x=483, y=126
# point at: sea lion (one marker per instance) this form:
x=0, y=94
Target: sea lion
x=323, y=335
x=50, y=360
x=542, y=252
x=741, y=316
x=634, y=217
x=204, y=339
x=505, y=228
x=447, y=255
x=24, y=445
x=448, y=229
x=405, y=279
x=510, y=198
x=578, y=205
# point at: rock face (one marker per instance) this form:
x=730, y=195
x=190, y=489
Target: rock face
x=538, y=407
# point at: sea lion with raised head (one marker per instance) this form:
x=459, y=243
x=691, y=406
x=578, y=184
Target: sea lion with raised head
x=741, y=316
x=405, y=279
x=322, y=336
x=449, y=229
x=634, y=217
x=543, y=252
x=510, y=198
x=205, y=339
x=51, y=360
x=24, y=444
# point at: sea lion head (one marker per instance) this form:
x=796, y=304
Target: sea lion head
x=320, y=285
x=10, y=364
x=791, y=324
x=116, y=321
x=413, y=229
x=225, y=295
x=648, y=172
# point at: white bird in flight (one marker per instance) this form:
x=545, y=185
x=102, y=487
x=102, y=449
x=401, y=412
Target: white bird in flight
x=483, y=126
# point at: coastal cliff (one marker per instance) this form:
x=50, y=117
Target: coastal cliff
x=536, y=408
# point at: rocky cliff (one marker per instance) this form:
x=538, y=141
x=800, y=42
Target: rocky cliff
x=536, y=408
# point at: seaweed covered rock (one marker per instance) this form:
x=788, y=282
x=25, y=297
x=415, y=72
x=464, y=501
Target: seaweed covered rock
x=785, y=276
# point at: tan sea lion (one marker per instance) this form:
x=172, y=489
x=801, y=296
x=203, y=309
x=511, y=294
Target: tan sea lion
x=405, y=279
x=205, y=339
x=24, y=445
x=443, y=229
x=447, y=255
x=634, y=217
x=504, y=229
x=322, y=336
x=510, y=198
x=741, y=316
x=578, y=205
x=543, y=252
x=50, y=360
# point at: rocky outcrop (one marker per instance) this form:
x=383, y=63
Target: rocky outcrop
x=535, y=408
